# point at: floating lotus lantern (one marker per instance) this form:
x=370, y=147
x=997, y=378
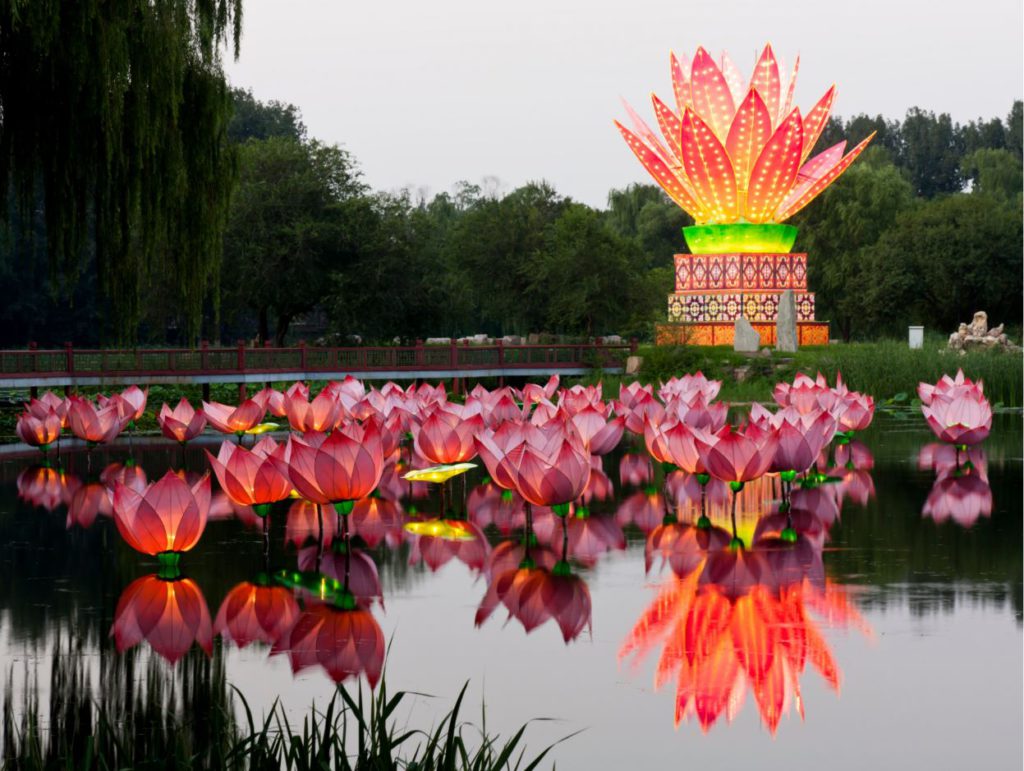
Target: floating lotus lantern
x=252, y=477
x=181, y=424
x=39, y=431
x=165, y=519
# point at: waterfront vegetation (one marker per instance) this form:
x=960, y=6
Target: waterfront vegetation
x=143, y=726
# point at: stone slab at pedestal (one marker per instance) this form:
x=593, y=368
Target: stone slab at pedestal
x=745, y=337
x=785, y=323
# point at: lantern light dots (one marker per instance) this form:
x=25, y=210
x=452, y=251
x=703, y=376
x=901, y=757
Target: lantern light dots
x=733, y=154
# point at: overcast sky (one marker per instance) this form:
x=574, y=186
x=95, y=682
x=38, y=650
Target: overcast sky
x=428, y=93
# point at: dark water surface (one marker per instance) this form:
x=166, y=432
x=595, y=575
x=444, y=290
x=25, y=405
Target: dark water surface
x=889, y=636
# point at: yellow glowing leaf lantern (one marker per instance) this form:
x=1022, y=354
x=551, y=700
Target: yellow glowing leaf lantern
x=736, y=154
x=438, y=474
x=445, y=529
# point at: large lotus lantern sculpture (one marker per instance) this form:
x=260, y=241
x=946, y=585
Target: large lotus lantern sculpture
x=737, y=156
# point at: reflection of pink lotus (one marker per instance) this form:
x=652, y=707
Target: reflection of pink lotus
x=377, y=521
x=643, y=509
x=44, y=487
x=362, y=577
x=86, y=503
x=635, y=470
x=310, y=522
x=254, y=613
x=532, y=595
x=490, y=505
x=720, y=641
x=346, y=643
x=437, y=552
x=943, y=458
x=962, y=497
x=586, y=539
x=181, y=424
x=169, y=615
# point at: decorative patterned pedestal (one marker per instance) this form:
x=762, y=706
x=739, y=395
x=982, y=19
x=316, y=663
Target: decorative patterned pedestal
x=713, y=290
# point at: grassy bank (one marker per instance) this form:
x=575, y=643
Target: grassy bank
x=883, y=369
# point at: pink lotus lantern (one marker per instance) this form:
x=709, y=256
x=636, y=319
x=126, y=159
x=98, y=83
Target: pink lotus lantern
x=183, y=423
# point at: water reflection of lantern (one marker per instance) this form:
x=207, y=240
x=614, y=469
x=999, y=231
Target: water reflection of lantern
x=256, y=612
x=535, y=587
x=346, y=642
x=45, y=486
x=169, y=615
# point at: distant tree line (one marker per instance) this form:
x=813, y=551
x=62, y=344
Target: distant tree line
x=924, y=228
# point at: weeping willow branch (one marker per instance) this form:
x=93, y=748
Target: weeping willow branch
x=118, y=110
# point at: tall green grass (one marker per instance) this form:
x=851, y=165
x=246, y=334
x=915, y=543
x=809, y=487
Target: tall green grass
x=883, y=369
x=188, y=721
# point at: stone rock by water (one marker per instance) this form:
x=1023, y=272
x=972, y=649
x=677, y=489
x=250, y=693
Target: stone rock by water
x=745, y=337
x=785, y=323
x=977, y=336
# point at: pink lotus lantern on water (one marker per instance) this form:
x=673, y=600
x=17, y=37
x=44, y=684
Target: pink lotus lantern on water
x=94, y=425
x=956, y=410
x=252, y=477
x=165, y=519
x=183, y=423
x=38, y=431
x=337, y=468
x=237, y=420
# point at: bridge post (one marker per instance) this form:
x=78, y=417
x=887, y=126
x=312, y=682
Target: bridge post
x=206, y=392
x=302, y=357
x=453, y=363
x=501, y=362
x=33, y=391
x=204, y=347
x=69, y=364
x=242, y=392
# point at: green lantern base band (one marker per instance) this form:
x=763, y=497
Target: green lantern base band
x=561, y=568
x=262, y=509
x=344, y=507
x=787, y=476
x=736, y=543
x=788, y=535
x=736, y=486
x=740, y=238
x=703, y=478
x=169, y=562
x=560, y=509
x=704, y=522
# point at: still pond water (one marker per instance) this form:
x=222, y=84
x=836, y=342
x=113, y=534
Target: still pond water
x=888, y=636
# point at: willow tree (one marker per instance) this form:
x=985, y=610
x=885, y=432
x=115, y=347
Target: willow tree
x=117, y=111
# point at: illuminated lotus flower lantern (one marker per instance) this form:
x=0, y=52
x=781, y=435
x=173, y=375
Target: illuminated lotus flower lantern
x=737, y=156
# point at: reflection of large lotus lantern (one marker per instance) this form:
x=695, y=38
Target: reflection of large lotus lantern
x=170, y=615
x=738, y=153
x=346, y=643
x=256, y=613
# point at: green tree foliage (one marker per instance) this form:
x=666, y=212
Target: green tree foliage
x=943, y=260
x=253, y=119
x=994, y=172
x=841, y=228
x=293, y=220
x=645, y=214
x=117, y=114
